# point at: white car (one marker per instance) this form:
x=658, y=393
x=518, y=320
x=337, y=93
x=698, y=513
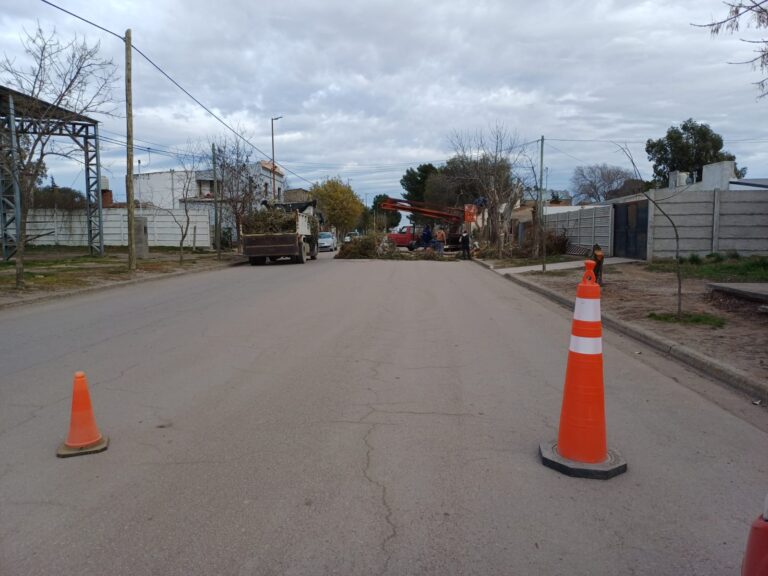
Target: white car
x=326, y=241
x=351, y=236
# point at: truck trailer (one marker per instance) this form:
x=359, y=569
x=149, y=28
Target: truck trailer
x=280, y=231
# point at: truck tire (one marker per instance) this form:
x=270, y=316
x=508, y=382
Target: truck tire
x=302, y=257
x=257, y=260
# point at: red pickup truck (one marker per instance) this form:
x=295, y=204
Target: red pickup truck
x=405, y=236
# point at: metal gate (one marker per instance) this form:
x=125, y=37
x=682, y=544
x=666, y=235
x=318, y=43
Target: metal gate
x=630, y=230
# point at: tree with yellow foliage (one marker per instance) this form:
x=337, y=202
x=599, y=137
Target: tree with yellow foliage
x=338, y=203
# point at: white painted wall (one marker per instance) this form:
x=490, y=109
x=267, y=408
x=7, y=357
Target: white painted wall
x=66, y=228
x=709, y=221
x=585, y=226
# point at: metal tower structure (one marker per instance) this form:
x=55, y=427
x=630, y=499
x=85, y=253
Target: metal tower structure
x=22, y=115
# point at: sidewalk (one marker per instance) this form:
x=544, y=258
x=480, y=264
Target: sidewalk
x=727, y=374
x=10, y=298
x=556, y=266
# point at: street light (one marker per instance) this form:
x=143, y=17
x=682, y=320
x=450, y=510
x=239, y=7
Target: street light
x=273, y=155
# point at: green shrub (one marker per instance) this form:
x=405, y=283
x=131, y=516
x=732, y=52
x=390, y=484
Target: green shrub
x=715, y=257
x=694, y=259
x=732, y=255
x=359, y=248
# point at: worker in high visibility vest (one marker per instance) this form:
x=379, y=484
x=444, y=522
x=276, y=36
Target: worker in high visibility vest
x=598, y=257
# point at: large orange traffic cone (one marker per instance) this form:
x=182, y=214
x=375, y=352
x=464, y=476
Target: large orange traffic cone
x=581, y=448
x=84, y=436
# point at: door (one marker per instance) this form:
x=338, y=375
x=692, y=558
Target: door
x=630, y=230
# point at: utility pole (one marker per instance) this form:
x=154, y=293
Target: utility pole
x=274, y=167
x=216, y=224
x=129, y=153
x=542, y=220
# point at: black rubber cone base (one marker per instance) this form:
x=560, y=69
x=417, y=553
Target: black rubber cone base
x=65, y=451
x=613, y=466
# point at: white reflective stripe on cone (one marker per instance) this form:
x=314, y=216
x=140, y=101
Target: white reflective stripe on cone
x=582, y=345
x=587, y=309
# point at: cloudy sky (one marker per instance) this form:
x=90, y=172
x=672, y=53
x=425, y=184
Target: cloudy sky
x=369, y=88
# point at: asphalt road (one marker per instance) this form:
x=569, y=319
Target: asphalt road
x=354, y=417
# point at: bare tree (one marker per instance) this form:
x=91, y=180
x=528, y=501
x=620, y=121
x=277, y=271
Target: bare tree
x=595, y=183
x=492, y=162
x=184, y=184
x=240, y=177
x=755, y=13
x=678, y=270
x=67, y=76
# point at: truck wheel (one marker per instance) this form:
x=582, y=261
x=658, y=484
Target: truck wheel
x=302, y=257
x=257, y=260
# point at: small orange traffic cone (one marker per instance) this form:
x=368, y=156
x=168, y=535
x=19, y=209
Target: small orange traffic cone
x=581, y=449
x=84, y=436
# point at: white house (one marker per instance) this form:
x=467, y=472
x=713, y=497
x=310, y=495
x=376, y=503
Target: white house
x=165, y=189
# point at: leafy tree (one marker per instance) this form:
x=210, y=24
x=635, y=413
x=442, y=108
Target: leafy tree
x=69, y=76
x=597, y=182
x=754, y=12
x=339, y=204
x=59, y=197
x=414, y=182
x=442, y=189
x=687, y=148
x=389, y=218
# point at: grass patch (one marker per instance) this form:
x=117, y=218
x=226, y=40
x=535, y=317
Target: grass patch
x=751, y=269
x=700, y=319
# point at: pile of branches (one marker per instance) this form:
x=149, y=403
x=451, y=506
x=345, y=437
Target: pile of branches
x=269, y=222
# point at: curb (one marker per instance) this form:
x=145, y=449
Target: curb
x=724, y=373
x=90, y=289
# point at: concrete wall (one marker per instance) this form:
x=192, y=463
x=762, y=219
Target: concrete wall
x=708, y=221
x=585, y=226
x=69, y=228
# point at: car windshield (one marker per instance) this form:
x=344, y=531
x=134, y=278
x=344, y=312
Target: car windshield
x=326, y=235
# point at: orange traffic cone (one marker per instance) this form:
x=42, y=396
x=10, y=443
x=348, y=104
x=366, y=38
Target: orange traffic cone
x=581, y=449
x=84, y=436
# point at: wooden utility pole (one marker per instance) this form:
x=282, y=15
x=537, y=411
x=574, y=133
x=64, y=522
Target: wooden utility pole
x=129, y=153
x=543, y=220
x=216, y=221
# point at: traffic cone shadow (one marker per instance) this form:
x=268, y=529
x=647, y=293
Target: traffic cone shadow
x=84, y=436
x=581, y=449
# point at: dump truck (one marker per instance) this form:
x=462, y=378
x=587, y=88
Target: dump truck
x=280, y=231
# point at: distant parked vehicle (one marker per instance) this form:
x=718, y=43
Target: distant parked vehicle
x=351, y=236
x=405, y=236
x=327, y=242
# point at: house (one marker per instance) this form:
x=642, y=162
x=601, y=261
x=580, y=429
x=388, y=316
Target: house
x=165, y=189
x=297, y=195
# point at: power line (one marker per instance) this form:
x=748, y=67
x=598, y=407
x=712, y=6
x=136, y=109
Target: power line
x=84, y=20
x=556, y=149
x=179, y=86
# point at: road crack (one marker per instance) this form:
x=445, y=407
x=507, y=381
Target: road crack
x=384, y=501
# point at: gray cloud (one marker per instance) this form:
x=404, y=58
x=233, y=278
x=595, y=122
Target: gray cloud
x=368, y=88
